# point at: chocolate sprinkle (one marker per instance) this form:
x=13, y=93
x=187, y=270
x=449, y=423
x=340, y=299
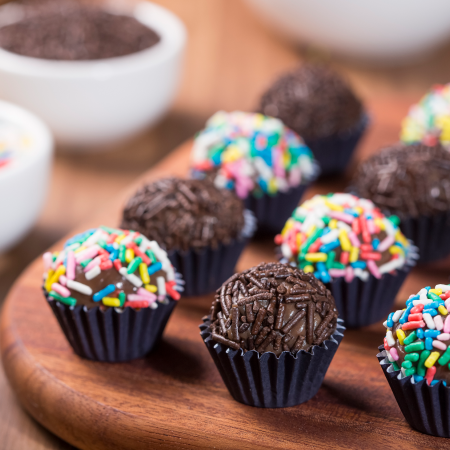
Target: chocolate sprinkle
x=278, y=325
x=206, y=217
x=314, y=101
x=406, y=180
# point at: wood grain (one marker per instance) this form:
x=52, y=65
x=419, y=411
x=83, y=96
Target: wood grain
x=175, y=398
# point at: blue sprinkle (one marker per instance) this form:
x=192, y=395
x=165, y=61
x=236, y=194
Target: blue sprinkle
x=432, y=333
x=390, y=322
x=432, y=305
x=109, y=248
x=417, y=378
x=434, y=382
x=351, y=212
x=154, y=268
x=358, y=265
x=104, y=292
x=428, y=343
x=322, y=268
x=325, y=248
x=428, y=288
x=419, y=333
x=416, y=297
x=114, y=255
x=431, y=312
x=405, y=315
x=444, y=383
x=375, y=243
x=326, y=230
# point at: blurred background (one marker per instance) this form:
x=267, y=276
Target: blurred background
x=391, y=52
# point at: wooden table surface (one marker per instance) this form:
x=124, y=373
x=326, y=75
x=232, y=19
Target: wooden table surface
x=231, y=58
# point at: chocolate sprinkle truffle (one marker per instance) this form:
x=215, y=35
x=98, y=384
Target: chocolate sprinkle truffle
x=185, y=214
x=314, y=101
x=273, y=307
x=407, y=180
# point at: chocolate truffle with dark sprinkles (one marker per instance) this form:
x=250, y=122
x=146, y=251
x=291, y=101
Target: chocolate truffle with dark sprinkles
x=284, y=309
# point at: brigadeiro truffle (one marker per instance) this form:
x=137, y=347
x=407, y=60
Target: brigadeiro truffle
x=411, y=181
x=415, y=359
x=359, y=253
x=258, y=157
x=112, y=292
x=272, y=332
x=320, y=106
x=203, y=228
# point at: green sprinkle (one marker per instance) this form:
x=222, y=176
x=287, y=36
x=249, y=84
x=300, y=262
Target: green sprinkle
x=412, y=357
x=122, y=298
x=102, y=243
x=395, y=365
x=314, y=236
x=330, y=260
x=85, y=263
x=410, y=339
x=70, y=301
x=138, y=240
x=151, y=255
x=421, y=369
x=407, y=364
x=416, y=347
x=434, y=297
x=338, y=265
x=111, y=230
x=54, y=258
x=394, y=219
x=326, y=220
x=445, y=357
x=122, y=251
x=134, y=264
x=411, y=371
x=303, y=264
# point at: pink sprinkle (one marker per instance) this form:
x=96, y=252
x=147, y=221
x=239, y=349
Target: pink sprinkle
x=61, y=290
x=438, y=322
x=447, y=304
x=354, y=239
x=370, y=226
x=373, y=269
x=145, y=293
x=440, y=345
x=342, y=216
x=385, y=243
x=295, y=177
x=349, y=275
x=48, y=260
x=137, y=298
x=337, y=273
x=70, y=269
x=90, y=252
x=447, y=325
x=94, y=263
x=63, y=280
x=444, y=337
x=394, y=353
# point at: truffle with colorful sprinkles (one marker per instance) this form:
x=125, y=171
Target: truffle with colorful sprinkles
x=429, y=120
x=109, y=267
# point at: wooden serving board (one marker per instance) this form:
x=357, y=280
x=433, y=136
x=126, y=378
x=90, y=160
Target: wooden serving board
x=175, y=398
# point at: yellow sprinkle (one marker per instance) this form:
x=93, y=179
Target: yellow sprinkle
x=333, y=206
x=272, y=186
x=232, y=153
x=333, y=224
x=316, y=257
x=151, y=288
x=289, y=224
x=401, y=238
x=120, y=238
x=358, y=210
x=110, y=301
x=311, y=230
x=395, y=249
x=436, y=291
x=129, y=255
x=80, y=249
x=345, y=241
x=443, y=124
x=308, y=269
x=401, y=336
x=379, y=223
x=299, y=240
x=442, y=309
x=143, y=271
x=48, y=286
x=354, y=253
x=431, y=360
x=61, y=270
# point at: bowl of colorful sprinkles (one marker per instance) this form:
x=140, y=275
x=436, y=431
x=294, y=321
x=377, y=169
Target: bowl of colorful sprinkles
x=360, y=254
x=415, y=359
x=112, y=292
x=26, y=148
x=267, y=164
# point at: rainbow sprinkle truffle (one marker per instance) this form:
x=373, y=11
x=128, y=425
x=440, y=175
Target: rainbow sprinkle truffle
x=341, y=235
x=429, y=120
x=110, y=268
x=418, y=337
x=252, y=153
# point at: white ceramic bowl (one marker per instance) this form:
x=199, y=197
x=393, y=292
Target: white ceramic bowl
x=24, y=183
x=392, y=31
x=86, y=103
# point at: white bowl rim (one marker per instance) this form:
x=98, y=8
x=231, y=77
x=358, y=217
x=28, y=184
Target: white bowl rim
x=170, y=28
x=42, y=145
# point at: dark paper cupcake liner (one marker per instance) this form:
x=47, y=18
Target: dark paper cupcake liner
x=335, y=152
x=268, y=381
x=272, y=212
x=205, y=270
x=110, y=335
x=362, y=303
x=426, y=408
x=430, y=233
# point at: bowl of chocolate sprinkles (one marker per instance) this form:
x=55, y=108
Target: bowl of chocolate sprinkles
x=272, y=333
x=411, y=182
x=204, y=229
x=95, y=74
